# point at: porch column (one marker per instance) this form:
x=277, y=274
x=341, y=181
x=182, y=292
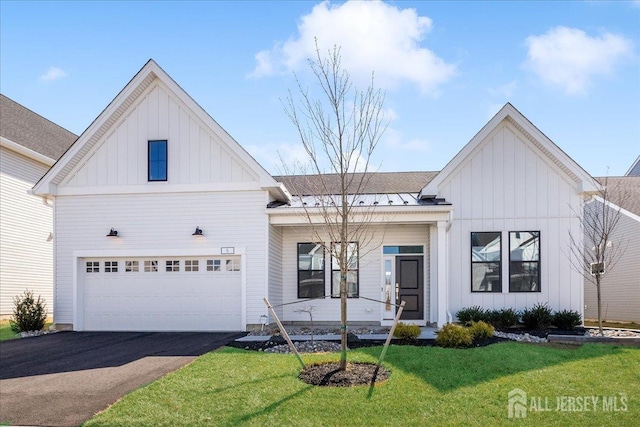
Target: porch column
x=442, y=273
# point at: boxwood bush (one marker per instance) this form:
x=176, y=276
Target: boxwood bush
x=406, y=331
x=481, y=330
x=456, y=336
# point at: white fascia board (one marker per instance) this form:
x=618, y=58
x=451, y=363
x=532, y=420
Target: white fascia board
x=616, y=207
x=278, y=191
x=586, y=183
x=27, y=152
x=41, y=186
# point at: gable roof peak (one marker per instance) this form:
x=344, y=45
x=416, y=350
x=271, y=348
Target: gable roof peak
x=555, y=154
x=122, y=102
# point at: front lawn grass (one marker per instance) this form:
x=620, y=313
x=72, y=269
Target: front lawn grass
x=5, y=331
x=428, y=386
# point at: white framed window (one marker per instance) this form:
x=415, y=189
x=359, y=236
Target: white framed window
x=111, y=266
x=353, y=270
x=172, y=265
x=150, y=266
x=131, y=266
x=233, y=264
x=213, y=265
x=191, y=265
x=93, y=266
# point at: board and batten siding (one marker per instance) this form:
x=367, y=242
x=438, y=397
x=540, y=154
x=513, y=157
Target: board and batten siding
x=26, y=257
x=195, y=153
x=507, y=184
x=620, y=292
x=275, y=268
x=371, y=274
x=162, y=222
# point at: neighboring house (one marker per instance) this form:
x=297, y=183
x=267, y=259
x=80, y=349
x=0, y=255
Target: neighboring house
x=634, y=170
x=204, y=232
x=620, y=288
x=29, y=145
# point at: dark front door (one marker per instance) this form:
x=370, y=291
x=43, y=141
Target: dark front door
x=410, y=282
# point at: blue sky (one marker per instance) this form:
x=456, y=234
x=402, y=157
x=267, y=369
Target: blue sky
x=572, y=68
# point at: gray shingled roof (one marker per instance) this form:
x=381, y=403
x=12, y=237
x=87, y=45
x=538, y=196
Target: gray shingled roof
x=379, y=182
x=624, y=191
x=32, y=131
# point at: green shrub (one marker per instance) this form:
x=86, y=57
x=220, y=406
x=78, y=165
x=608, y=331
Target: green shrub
x=503, y=318
x=566, y=319
x=29, y=314
x=538, y=317
x=452, y=335
x=406, y=331
x=471, y=314
x=481, y=330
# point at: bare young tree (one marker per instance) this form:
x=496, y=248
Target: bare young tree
x=594, y=253
x=339, y=131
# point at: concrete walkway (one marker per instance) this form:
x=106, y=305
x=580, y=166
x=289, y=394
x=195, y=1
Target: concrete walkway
x=426, y=333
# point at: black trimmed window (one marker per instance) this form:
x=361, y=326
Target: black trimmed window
x=157, y=161
x=524, y=261
x=353, y=270
x=486, y=261
x=93, y=266
x=310, y=270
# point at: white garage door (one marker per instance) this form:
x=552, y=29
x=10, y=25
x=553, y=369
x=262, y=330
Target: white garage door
x=161, y=294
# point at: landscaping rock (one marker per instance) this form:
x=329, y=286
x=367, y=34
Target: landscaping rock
x=526, y=337
x=306, y=347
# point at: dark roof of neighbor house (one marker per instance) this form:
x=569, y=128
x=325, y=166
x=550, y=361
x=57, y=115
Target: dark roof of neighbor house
x=32, y=131
x=624, y=191
x=634, y=170
x=378, y=183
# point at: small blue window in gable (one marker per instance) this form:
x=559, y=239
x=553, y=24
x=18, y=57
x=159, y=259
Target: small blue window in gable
x=157, y=160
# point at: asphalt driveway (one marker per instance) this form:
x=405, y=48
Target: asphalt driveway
x=63, y=379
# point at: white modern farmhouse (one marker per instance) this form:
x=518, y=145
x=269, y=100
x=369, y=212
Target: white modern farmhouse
x=164, y=222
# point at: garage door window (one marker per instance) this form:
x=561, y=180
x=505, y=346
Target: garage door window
x=191, y=265
x=150, y=266
x=233, y=265
x=111, y=266
x=131, y=266
x=213, y=265
x=93, y=267
x=172, y=265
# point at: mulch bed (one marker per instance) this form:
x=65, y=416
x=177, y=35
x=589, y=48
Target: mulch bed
x=329, y=374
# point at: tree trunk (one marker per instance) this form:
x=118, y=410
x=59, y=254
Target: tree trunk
x=599, y=305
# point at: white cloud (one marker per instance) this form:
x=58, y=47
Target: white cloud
x=569, y=58
x=53, y=73
x=504, y=91
x=394, y=141
x=373, y=36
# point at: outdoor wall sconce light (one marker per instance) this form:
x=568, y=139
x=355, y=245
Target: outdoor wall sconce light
x=263, y=321
x=198, y=232
x=113, y=232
